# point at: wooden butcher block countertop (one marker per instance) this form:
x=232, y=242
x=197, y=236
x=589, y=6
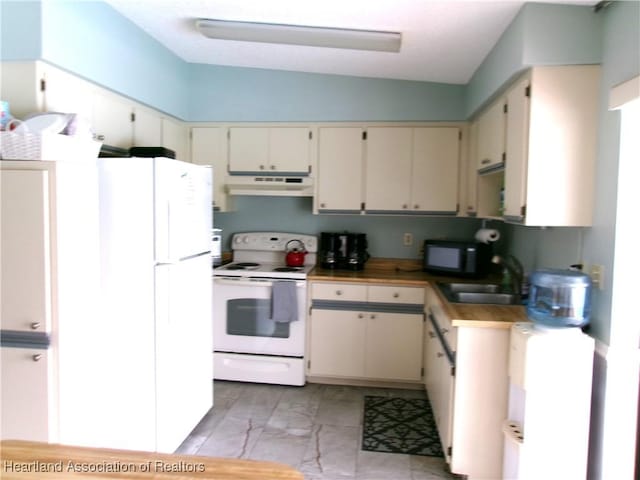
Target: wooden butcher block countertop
x=41, y=461
x=409, y=273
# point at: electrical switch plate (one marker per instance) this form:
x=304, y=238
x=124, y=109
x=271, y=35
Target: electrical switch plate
x=407, y=239
x=597, y=276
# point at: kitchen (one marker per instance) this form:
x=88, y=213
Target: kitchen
x=233, y=94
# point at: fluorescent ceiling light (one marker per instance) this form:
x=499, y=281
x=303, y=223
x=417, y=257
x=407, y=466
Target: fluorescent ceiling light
x=300, y=35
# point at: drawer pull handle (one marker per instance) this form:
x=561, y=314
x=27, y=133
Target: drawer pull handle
x=396, y=295
x=444, y=330
x=432, y=335
x=35, y=325
x=360, y=315
x=485, y=161
x=439, y=354
x=373, y=316
x=37, y=357
x=338, y=292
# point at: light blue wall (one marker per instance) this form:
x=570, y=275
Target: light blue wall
x=384, y=233
x=92, y=40
x=248, y=94
x=20, y=30
x=541, y=34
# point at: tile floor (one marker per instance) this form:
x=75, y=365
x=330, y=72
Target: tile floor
x=316, y=429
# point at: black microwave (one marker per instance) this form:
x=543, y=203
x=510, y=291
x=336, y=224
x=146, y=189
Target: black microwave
x=466, y=259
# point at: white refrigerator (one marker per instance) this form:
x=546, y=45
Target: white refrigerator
x=155, y=224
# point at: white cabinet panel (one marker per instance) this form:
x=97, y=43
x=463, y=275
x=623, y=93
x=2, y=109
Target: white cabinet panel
x=147, y=128
x=258, y=150
x=175, y=136
x=434, y=177
x=112, y=120
x=28, y=400
x=340, y=167
x=209, y=147
x=344, y=292
x=26, y=256
x=394, y=346
x=491, y=136
x=395, y=294
x=388, y=169
x=337, y=347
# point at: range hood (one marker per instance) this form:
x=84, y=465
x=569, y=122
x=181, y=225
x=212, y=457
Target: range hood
x=269, y=185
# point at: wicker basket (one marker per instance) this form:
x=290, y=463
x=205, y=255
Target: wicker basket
x=32, y=146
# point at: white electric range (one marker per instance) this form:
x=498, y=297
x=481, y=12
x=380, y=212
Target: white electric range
x=251, y=341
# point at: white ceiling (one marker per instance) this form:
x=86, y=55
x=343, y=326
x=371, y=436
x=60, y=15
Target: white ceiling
x=442, y=40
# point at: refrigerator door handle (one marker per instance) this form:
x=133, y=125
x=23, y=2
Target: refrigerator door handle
x=172, y=261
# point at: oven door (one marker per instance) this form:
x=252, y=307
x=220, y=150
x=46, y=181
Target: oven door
x=242, y=318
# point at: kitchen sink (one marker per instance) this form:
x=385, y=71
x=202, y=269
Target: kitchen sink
x=487, y=293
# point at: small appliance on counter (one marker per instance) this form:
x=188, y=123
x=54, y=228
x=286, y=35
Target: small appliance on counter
x=457, y=258
x=559, y=298
x=343, y=250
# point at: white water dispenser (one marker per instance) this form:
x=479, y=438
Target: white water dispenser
x=547, y=430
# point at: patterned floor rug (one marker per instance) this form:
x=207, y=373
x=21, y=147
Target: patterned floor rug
x=400, y=425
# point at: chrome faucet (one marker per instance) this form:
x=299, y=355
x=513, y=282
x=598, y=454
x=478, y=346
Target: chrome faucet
x=515, y=269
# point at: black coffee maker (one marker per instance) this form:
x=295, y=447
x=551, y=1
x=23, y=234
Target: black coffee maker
x=347, y=251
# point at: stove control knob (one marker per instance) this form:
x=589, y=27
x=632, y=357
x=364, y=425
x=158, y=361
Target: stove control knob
x=245, y=239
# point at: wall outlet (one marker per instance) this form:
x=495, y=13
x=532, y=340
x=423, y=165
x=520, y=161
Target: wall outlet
x=596, y=272
x=407, y=239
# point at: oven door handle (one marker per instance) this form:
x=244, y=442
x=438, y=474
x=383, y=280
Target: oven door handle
x=253, y=282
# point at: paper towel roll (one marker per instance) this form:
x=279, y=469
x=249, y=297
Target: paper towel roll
x=487, y=235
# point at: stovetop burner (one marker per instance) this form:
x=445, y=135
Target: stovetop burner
x=246, y=264
x=287, y=269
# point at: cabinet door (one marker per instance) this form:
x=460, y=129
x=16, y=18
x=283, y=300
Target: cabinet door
x=208, y=147
x=434, y=177
x=28, y=411
x=394, y=346
x=25, y=251
x=515, y=175
x=175, y=136
x=67, y=93
x=289, y=150
x=147, y=128
x=388, y=169
x=469, y=205
x=337, y=343
x=248, y=149
x=491, y=136
x=112, y=120
x=340, y=161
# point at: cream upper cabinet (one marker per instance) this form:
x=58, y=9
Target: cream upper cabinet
x=388, y=169
x=339, y=175
x=412, y=170
x=175, y=136
x=112, y=120
x=147, y=128
x=491, y=136
x=434, y=176
x=209, y=147
x=551, y=146
x=264, y=150
x=469, y=175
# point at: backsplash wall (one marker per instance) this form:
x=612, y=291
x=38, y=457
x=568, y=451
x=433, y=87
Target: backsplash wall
x=384, y=233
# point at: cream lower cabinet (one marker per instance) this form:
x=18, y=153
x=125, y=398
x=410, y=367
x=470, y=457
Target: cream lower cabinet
x=29, y=396
x=366, y=332
x=469, y=396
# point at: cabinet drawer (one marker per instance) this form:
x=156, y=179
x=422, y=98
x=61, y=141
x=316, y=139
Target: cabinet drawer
x=387, y=294
x=344, y=292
